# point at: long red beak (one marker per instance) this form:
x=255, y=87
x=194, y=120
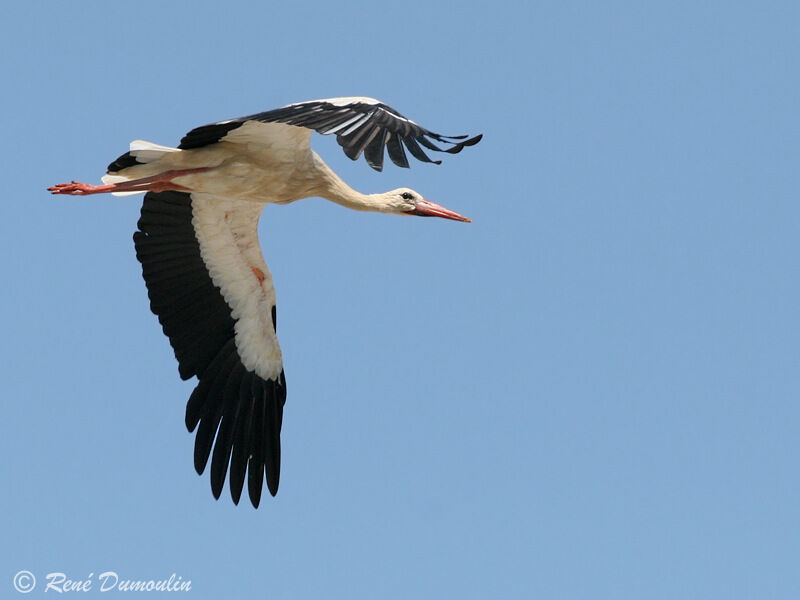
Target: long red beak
x=426, y=208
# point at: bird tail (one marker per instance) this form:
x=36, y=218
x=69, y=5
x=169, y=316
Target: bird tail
x=140, y=153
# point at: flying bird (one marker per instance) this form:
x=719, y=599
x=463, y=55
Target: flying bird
x=207, y=281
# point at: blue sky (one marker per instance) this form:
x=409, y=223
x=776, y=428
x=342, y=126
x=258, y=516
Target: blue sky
x=589, y=392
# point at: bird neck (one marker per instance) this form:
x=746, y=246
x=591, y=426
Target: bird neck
x=331, y=187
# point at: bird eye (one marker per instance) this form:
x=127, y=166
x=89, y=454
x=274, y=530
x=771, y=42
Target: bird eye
x=406, y=196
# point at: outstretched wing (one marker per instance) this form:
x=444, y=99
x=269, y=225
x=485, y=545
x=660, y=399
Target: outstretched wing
x=360, y=125
x=213, y=295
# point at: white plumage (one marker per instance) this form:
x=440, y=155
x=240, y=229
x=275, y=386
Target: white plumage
x=201, y=261
x=217, y=222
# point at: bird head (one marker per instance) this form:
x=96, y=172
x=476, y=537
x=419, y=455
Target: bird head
x=408, y=202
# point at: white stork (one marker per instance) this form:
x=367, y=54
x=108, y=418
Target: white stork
x=206, y=279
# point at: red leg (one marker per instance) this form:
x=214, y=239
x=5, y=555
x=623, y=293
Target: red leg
x=157, y=183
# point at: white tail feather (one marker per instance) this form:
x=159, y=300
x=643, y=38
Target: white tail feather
x=146, y=152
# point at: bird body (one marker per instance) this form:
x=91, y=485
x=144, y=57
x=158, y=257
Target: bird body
x=201, y=261
x=275, y=173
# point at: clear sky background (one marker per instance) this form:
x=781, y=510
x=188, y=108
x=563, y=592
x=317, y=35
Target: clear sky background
x=589, y=392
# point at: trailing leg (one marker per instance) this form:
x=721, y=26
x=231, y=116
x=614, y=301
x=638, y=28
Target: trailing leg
x=156, y=183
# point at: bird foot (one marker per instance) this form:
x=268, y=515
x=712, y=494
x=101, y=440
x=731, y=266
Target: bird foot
x=75, y=188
